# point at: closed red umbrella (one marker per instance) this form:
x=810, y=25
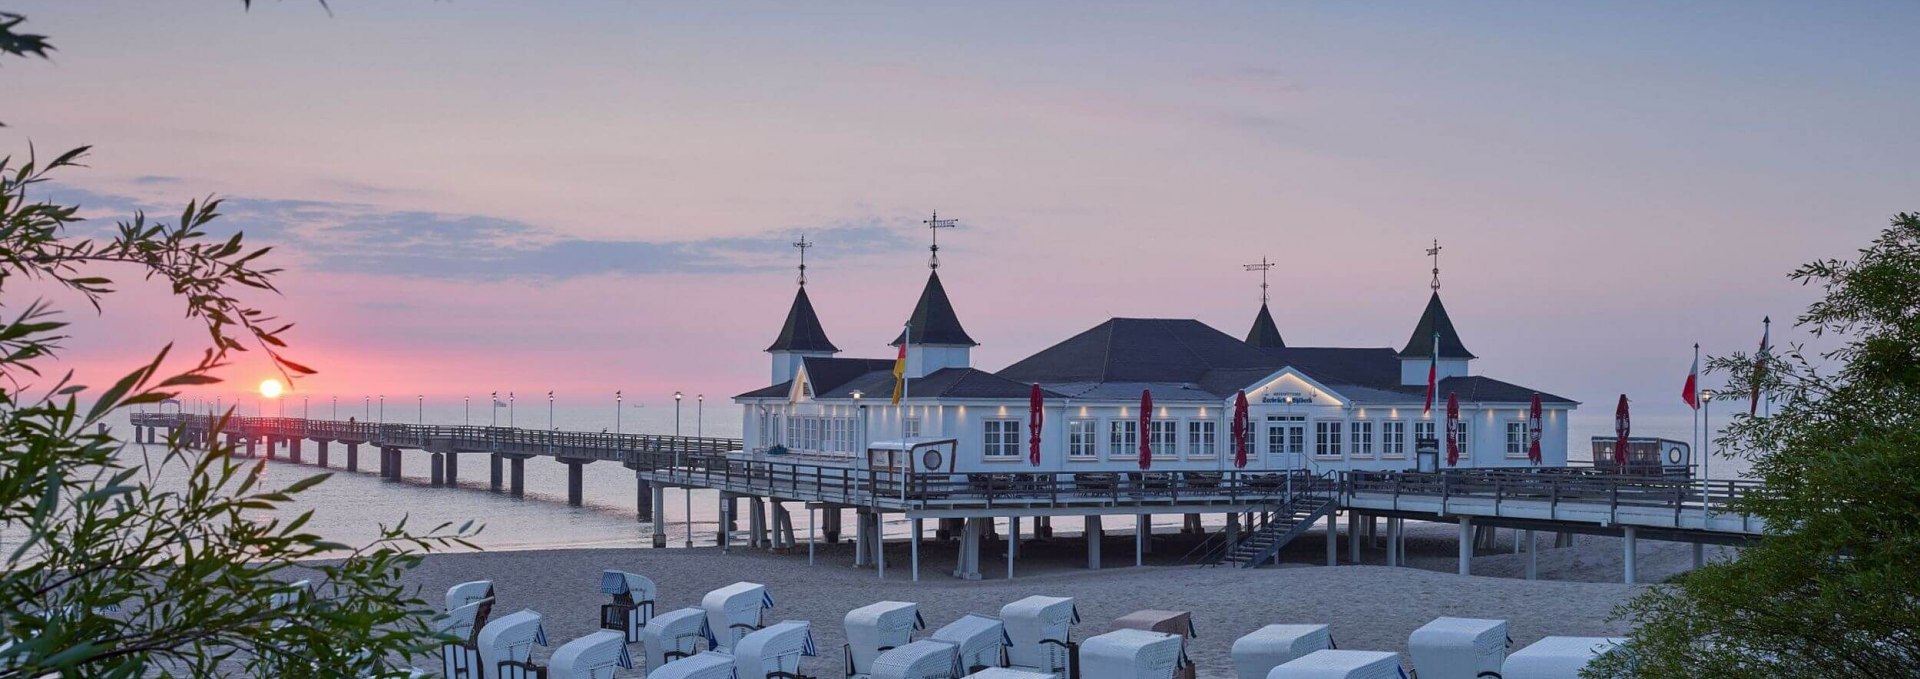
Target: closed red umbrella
x=1534, y=430
x=1035, y=416
x=1621, y=425
x=1240, y=431
x=1146, y=420
x=1453, y=430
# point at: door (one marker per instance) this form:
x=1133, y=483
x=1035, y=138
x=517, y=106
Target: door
x=1286, y=443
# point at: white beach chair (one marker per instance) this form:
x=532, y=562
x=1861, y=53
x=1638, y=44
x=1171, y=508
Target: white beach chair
x=982, y=641
x=1458, y=648
x=595, y=656
x=923, y=659
x=632, y=605
x=874, y=628
x=1256, y=654
x=673, y=635
x=460, y=658
x=1556, y=657
x=506, y=646
x=1009, y=673
x=1131, y=654
x=297, y=593
x=1040, y=631
x=707, y=665
x=734, y=610
x=468, y=592
x=774, y=652
x=1332, y=664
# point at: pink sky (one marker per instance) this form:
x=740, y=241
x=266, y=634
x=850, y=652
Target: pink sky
x=590, y=196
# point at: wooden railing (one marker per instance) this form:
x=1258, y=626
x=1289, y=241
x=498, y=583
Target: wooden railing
x=1610, y=490
x=464, y=438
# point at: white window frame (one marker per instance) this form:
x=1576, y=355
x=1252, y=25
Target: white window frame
x=1465, y=435
x=1393, y=440
x=1008, y=443
x=1326, y=439
x=910, y=427
x=1083, y=434
x=1163, y=438
x=1360, y=438
x=1428, y=429
x=1517, y=448
x=1203, y=439
x=1123, y=439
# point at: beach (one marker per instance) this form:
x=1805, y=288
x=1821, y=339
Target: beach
x=1369, y=607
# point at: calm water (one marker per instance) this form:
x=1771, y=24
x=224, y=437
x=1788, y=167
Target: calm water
x=350, y=507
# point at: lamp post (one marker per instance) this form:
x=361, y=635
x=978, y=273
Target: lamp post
x=493, y=409
x=383, y=409
x=550, y=426
x=676, y=412
x=699, y=415
x=366, y=408
x=466, y=411
x=420, y=414
x=616, y=411
x=861, y=441
x=1706, y=439
x=305, y=405
x=1287, y=444
x=509, y=410
x=688, y=492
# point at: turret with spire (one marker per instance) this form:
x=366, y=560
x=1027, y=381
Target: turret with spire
x=1434, y=335
x=1264, y=333
x=933, y=334
x=801, y=336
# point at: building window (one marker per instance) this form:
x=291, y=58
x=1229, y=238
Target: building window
x=1326, y=439
x=910, y=427
x=1123, y=438
x=1200, y=438
x=1361, y=434
x=1002, y=438
x=1393, y=439
x=1464, y=435
x=1517, y=439
x=1423, y=431
x=1082, y=438
x=1164, y=437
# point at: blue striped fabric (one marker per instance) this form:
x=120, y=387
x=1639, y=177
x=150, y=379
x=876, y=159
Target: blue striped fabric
x=807, y=648
x=706, y=630
x=766, y=599
x=1076, y=614
x=540, y=634
x=625, y=661
x=919, y=621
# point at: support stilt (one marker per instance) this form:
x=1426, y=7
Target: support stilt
x=496, y=480
x=517, y=479
x=658, y=513
x=1093, y=542
x=438, y=466
x=915, y=558
x=1628, y=539
x=1533, y=557
x=1466, y=545
x=353, y=456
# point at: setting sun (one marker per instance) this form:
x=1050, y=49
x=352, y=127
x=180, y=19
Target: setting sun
x=270, y=388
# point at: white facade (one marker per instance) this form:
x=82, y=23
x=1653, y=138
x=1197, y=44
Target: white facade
x=1294, y=423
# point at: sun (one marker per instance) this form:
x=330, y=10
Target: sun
x=270, y=388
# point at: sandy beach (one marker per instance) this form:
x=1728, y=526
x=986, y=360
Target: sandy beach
x=1369, y=606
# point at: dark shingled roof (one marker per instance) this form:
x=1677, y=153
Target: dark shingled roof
x=802, y=331
x=828, y=374
x=933, y=320
x=1139, y=350
x=1264, y=333
x=1433, y=320
x=942, y=383
x=776, y=391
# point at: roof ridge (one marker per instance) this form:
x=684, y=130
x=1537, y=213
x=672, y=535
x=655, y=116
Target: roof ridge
x=1106, y=351
x=1183, y=343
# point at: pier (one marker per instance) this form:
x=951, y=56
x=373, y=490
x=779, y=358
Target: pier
x=1264, y=511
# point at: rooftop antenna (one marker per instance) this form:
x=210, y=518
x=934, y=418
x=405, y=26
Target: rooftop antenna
x=1262, y=267
x=935, y=224
x=803, y=244
x=1434, y=252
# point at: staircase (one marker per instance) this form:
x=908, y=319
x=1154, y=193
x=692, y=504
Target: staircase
x=1281, y=518
x=1282, y=525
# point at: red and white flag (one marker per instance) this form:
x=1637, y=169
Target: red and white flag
x=1691, y=392
x=1433, y=374
x=1760, y=363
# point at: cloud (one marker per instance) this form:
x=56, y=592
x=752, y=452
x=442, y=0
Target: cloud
x=364, y=239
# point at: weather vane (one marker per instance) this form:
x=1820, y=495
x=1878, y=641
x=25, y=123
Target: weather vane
x=803, y=244
x=935, y=224
x=1434, y=252
x=1262, y=267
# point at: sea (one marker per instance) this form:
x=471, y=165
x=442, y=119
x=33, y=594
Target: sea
x=351, y=508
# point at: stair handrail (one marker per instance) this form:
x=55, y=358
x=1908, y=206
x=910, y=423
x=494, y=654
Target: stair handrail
x=1210, y=554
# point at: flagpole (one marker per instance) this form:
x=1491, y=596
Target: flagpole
x=1694, y=400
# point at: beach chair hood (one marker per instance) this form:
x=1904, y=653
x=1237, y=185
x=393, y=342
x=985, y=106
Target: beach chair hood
x=594, y=656
x=1458, y=647
x=874, y=628
x=1038, y=627
x=1257, y=653
x=1337, y=664
x=981, y=640
x=1131, y=654
x=510, y=637
x=679, y=633
x=774, y=651
x=734, y=610
x=707, y=665
x=1556, y=657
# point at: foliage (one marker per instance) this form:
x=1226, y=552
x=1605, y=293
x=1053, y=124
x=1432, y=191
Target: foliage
x=1835, y=590
x=112, y=568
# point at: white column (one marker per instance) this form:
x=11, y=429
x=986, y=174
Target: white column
x=879, y=542
x=1533, y=557
x=1093, y=542
x=1333, y=538
x=1353, y=536
x=1699, y=555
x=810, y=511
x=1466, y=545
x=1627, y=544
x=1393, y=541
x=916, y=550
x=1139, y=540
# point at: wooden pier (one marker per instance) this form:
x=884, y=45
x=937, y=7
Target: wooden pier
x=1263, y=510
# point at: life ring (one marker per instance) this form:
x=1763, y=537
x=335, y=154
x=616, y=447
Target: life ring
x=931, y=460
x=1673, y=455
